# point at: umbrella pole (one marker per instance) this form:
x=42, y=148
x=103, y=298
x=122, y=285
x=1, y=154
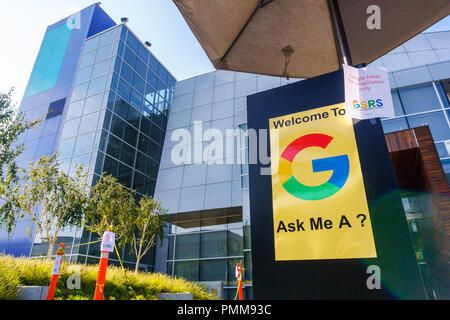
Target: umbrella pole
x=339, y=34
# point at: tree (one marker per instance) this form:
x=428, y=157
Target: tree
x=62, y=199
x=111, y=206
x=12, y=125
x=147, y=227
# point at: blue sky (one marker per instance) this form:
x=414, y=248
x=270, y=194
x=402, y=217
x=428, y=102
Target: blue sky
x=158, y=21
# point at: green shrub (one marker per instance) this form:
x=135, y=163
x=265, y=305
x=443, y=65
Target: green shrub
x=16, y=272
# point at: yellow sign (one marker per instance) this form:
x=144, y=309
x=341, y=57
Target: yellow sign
x=320, y=207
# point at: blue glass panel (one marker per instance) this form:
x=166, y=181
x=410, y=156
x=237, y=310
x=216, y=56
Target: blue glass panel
x=87, y=59
x=127, y=73
x=124, y=90
x=129, y=57
x=100, y=69
x=91, y=44
x=97, y=85
x=437, y=123
x=79, y=92
x=84, y=75
x=419, y=98
x=132, y=42
x=107, y=37
x=103, y=53
x=136, y=100
x=141, y=68
x=49, y=60
x=143, y=53
x=65, y=148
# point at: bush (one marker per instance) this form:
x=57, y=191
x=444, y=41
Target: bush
x=16, y=272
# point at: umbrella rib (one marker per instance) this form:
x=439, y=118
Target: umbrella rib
x=260, y=5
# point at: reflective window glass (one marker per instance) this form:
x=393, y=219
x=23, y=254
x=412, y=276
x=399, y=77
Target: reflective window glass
x=235, y=242
x=84, y=75
x=107, y=37
x=437, y=123
x=114, y=147
x=155, y=150
x=152, y=80
x=93, y=103
x=141, y=68
x=187, y=269
x=143, y=53
x=70, y=128
x=419, y=98
x=398, y=109
x=137, y=100
x=141, y=162
x=127, y=73
x=187, y=246
x=393, y=125
x=132, y=42
x=75, y=109
x=65, y=148
x=103, y=53
x=213, y=244
x=146, y=126
x=124, y=90
x=125, y=175
x=91, y=44
x=87, y=59
x=139, y=84
x=84, y=143
x=100, y=69
x=97, y=85
x=88, y=123
x=79, y=92
x=129, y=57
x=442, y=150
x=127, y=155
x=213, y=270
x=110, y=166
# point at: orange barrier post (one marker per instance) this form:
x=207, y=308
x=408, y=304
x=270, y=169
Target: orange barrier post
x=239, y=277
x=107, y=246
x=55, y=272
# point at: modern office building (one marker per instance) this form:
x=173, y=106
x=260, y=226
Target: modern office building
x=208, y=199
x=112, y=106
x=109, y=114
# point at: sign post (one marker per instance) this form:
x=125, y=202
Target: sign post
x=55, y=272
x=239, y=279
x=328, y=221
x=106, y=248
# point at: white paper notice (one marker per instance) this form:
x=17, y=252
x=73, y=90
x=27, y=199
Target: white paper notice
x=367, y=93
x=57, y=265
x=108, y=242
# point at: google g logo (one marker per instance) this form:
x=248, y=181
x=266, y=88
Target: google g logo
x=338, y=164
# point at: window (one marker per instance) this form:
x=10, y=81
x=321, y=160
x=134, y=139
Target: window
x=132, y=42
x=84, y=143
x=91, y=44
x=127, y=73
x=141, y=68
x=87, y=59
x=79, y=92
x=66, y=147
x=103, y=53
x=437, y=123
x=213, y=244
x=70, y=128
x=124, y=90
x=89, y=123
x=393, y=125
x=100, y=69
x=107, y=37
x=93, y=104
x=143, y=53
x=97, y=85
x=84, y=75
x=419, y=98
x=129, y=57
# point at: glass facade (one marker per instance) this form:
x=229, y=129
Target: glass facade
x=420, y=105
x=47, y=95
x=208, y=249
x=115, y=123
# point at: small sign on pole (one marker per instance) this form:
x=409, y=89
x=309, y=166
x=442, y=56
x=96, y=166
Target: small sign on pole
x=367, y=93
x=106, y=247
x=239, y=278
x=55, y=272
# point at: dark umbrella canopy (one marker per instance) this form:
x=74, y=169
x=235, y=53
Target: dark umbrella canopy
x=297, y=38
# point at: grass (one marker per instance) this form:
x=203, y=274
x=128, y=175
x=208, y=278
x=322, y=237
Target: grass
x=15, y=272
